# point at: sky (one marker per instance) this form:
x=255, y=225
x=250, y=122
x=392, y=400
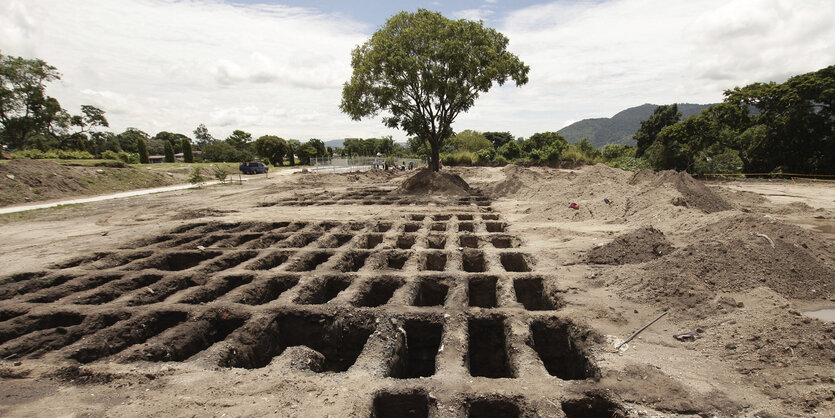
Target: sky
x=277, y=66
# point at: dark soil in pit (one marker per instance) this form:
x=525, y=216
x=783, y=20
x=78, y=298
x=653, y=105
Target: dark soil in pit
x=531, y=294
x=401, y=405
x=515, y=262
x=431, y=292
x=323, y=290
x=266, y=291
x=415, y=355
x=473, y=261
x=338, y=339
x=493, y=408
x=561, y=347
x=378, y=292
x=487, y=351
x=434, y=261
x=592, y=406
x=482, y=292
x=405, y=242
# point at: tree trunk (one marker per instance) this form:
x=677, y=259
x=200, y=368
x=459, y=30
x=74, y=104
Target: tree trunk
x=435, y=161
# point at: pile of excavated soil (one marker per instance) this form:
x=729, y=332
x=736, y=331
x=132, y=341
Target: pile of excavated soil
x=25, y=180
x=516, y=178
x=642, y=245
x=736, y=254
x=693, y=193
x=607, y=194
x=428, y=182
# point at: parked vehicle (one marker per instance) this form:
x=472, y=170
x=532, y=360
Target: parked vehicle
x=253, y=168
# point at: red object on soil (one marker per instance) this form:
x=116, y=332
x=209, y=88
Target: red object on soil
x=574, y=206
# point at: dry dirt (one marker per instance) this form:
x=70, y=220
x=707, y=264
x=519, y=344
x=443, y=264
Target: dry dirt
x=362, y=295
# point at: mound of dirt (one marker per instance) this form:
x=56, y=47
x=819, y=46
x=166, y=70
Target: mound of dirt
x=25, y=180
x=516, y=179
x=428, y=182
x=694, y=194
x=642, y=245
x=738, y=254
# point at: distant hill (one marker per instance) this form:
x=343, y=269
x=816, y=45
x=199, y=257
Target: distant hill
x=620, y=128
x=334, y=143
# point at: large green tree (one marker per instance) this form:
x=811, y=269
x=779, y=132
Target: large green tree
x=272, y=148
x=663, y=116
x=498, y=138
x=424, y=70
x=239, y=139
x=25, y=109
x=202, y=136
x=469, y=140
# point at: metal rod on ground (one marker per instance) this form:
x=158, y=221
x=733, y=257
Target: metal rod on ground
x=635, y=334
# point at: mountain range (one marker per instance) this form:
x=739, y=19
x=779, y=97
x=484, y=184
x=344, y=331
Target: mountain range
x=620, y=128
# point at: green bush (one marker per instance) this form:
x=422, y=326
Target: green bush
x=220, y=172
x=122, y=156
x=109, y=155
x=196, y=176
x=572, y=155
x=459, y=158
x=726, y=162
x=511, y=150
x=447, y=159
x=499, y=160
x=485, y=155
x=629, y=163
x=55, y=154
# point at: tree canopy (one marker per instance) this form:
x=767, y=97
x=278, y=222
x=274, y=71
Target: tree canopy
x=424, y=70
x=272, y=148
x=25, y=109
x=759, y=128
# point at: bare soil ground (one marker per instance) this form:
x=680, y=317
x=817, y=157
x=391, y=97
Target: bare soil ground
x=368, y=295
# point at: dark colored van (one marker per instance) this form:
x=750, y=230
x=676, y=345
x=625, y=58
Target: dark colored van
x=253, y=168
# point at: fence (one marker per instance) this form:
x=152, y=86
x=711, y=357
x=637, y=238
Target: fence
x=360, y=163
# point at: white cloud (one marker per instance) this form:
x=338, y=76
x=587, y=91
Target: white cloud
x=472, y=14
x=594, y=59
x=171, y=65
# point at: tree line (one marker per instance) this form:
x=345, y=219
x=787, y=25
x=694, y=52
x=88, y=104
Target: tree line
x=770, y=127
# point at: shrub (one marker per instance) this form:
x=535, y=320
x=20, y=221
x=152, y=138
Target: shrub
x=447, y=159
x=629, y=163
x=464, y=158
x=499, y=160
x=109, y=155
x=56, y=154
x=220, y=172
x=536, y=155
x=572, y=154
x=485, y=155
x=122, y=156
x=511, y=150
x=196, y=176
